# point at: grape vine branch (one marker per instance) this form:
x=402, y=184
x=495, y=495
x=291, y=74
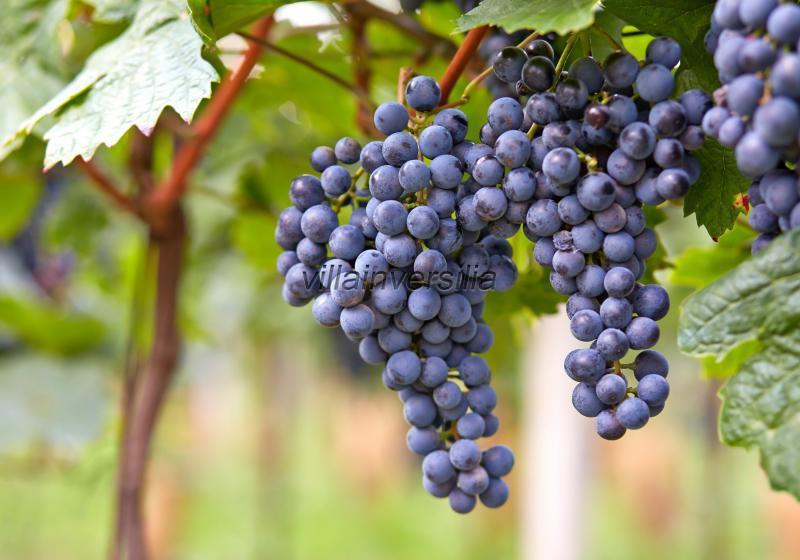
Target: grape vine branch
x=160, y=209
x=460, y=60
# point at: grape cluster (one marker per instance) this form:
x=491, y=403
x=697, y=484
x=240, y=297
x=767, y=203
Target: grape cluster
x=408, y=281
x=598, y=155
x=573, y=169
x=755, y=47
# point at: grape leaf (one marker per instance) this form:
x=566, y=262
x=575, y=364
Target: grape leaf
x=711, y=198
x=686, y=21
x=216, y=18
x=732, y=362
x=29, y=57
x=128, y=82
x=29, y=28
x=604, y=23
x=758, y=302
x=561, y=16
x=23, y=89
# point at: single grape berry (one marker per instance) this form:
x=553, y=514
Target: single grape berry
x=423, y=93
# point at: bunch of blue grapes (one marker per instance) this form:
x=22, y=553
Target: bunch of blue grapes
x=408, y=282
x=755, y=46
x=607, y=140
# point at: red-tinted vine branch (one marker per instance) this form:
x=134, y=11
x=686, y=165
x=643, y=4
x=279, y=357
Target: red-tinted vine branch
x=361, y=70
x=460, y=60
x=150, y=388
x=146, y=389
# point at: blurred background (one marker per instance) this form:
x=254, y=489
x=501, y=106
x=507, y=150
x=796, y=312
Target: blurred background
x=276, y=441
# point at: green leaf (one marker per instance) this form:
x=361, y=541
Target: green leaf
x=757, y=303
x=156, y=63
x=712, y=198
x=47, y=327
x=23, y=89
x=216, y=18
x=29, y=53
x=29, y=28
x=686, y=21
x=604, y=22
x=560, y=16
x=697, y=267
x=732, y=362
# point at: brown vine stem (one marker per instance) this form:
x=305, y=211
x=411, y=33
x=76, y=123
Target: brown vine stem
x=147, y=388
x=133, y=364
x=460, y=61
x=150, y=388
x=169, y=194
x=361, y=71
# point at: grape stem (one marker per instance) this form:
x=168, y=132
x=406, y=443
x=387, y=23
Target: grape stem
x=532, y=131
x=589, y=160
x=344, y=198
x=562, y=60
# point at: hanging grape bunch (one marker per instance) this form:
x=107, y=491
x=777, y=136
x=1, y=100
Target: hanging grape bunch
x=755, y=49
x=598, y=155
x=403, y=279
x=573, y=169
